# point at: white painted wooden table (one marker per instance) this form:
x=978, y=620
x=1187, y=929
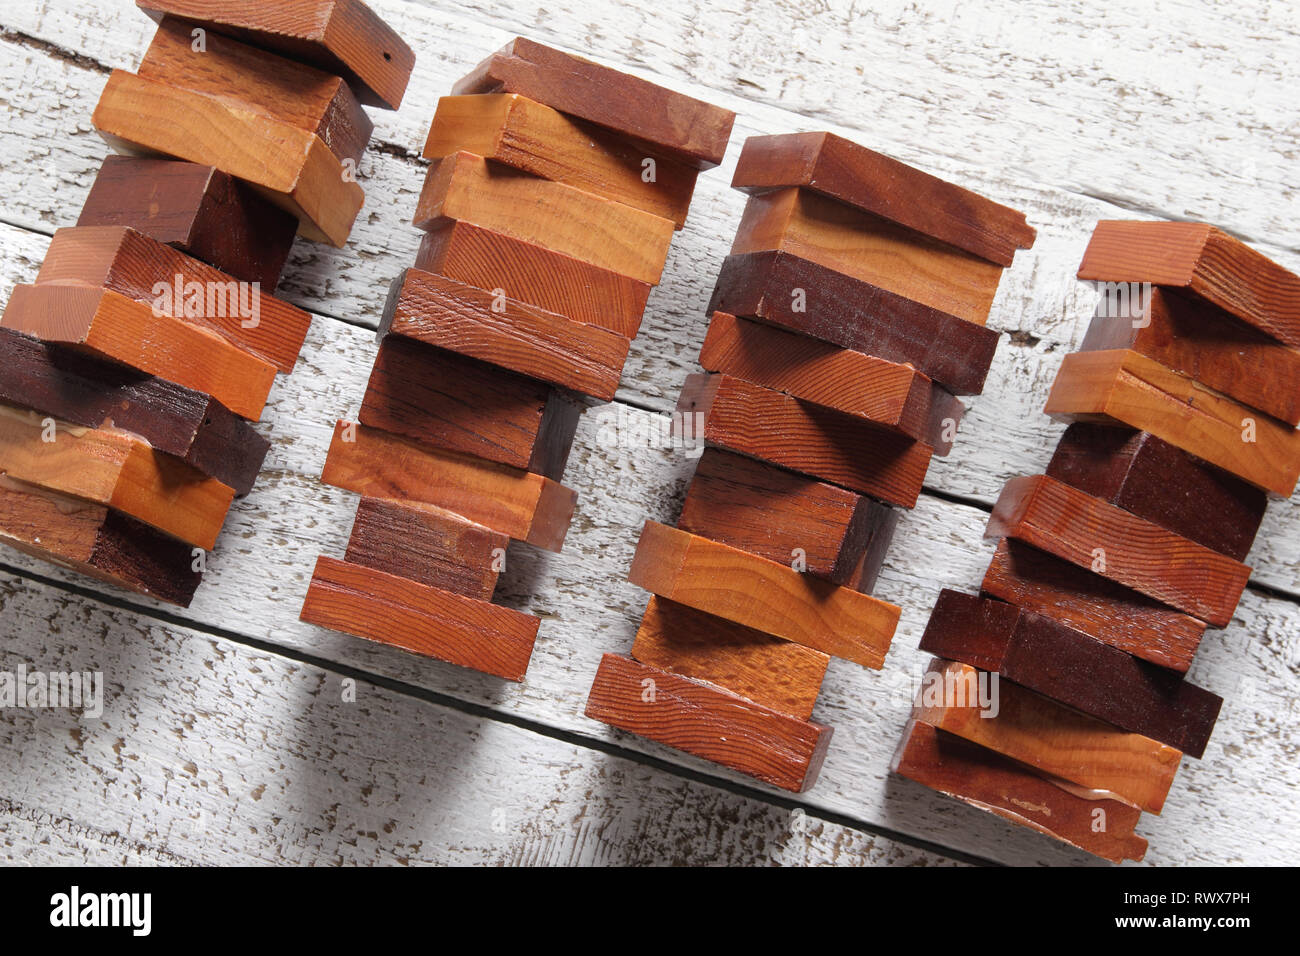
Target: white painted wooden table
x=226, y=737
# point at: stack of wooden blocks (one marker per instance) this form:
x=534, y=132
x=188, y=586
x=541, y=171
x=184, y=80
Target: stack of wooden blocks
x=849, y=314
x=555, y=187
x=1110, y=567
x=131, y=370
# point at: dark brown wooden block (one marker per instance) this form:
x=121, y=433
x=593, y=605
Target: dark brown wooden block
x=702, y=720
x=687, y=129
x=867, y=180
x=794, y=293
x=197, y=209
x=1068, y=666
x=459, y=403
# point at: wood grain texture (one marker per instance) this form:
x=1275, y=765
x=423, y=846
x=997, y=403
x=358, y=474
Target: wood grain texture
x=423, y=620
x=504, y=331
x=531, y=273
x=702, y=720
x=810, y=439
x=536, y=139
x=292, y=168
x=179, y=421
x=865, y=179
x=343, y=37
x=687, y=128
x=869, y=248
x=449, y=401
x=465, y=187
x=993, y=783
x=1072, y=668
x=525, y=506
x=769, y=597
x=1124, y=387
x=1056, y=741
x=133, y=264
x=1113, y=614
x=850, y=313
x=197, y=209
x=781, y=675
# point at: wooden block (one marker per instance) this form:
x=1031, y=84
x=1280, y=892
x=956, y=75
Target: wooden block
x=868, y=247
x=290, y=92
x=449, y=401
x=767, y=670
x=179, y=421
x=1153, y=479
x=605, y=233
x=1123, y=387
x=530, y=273
x=97, y=541
x=782, y=289
x=690, y=130
x=142, y=268
x=997, y=785
x=815, y=441
x=702, y=720
x=114, y=327
x=1067, y=666
x=424, y=620
x=769, y=597
x=781, y=516
x=874, y=183
x=890, y=394
x=1203, y=261
x=292, y=168
x=1056, y=741
x=1203, y=342
x=197, y=209
x=1087, y=602
x=525, y=506
x=503, y=331
x=343, y=37
x=113, y=468
x=427, y=545
x=523, y=133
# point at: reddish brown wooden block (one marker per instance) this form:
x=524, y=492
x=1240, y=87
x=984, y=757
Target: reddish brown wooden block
x=769, y=597
x=427, y=545
x=707, y=722
x=421, y=619
x=464, y=405
x=1203, y=261
x=97, y=541
x=783, y=289
x=343, y=37
x=688, y=129
x=194, y=427
x=1133, y=551
x=525, y=506
x=197, y=209
x=874, y=183
x=1056, y=741
x=141, y=268
x=1087, y=602
x=767, y=670
x=505, y=332
x=530, y=273
x=1065, y=665
x=1155, y=480
x=819, y=442
x=115, y=327
x=776, y=514
x=890, y=394
x=997, y=785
